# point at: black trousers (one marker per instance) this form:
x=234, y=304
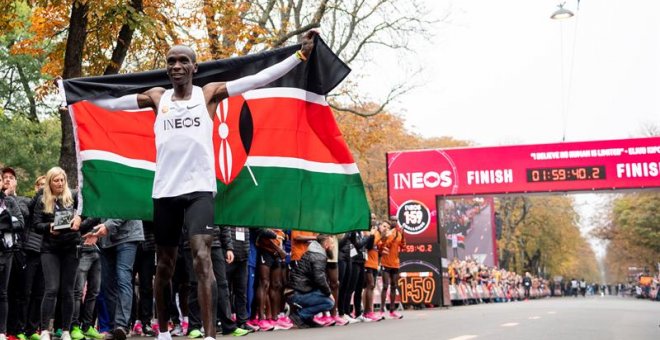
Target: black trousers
x=356, y=285
x=237, y=276
x=222, y=297
x=145, y=268
x=29, y=285
x=59, y=277
x=6, y=259
x=344, y=303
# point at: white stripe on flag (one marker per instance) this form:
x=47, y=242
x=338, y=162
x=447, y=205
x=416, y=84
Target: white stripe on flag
x=297, y=163
x=88, y=155
x=286, y=92
x=256, y=161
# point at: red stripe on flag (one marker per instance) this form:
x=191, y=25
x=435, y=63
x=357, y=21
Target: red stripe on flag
x=287, y=127
x=283, y=127
x=128, y=134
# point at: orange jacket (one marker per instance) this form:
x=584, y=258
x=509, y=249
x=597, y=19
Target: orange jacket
x=390, y=248
x=298, y=248
x=372, y=254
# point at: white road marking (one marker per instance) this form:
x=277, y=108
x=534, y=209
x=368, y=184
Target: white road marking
x=509, y=324
x=534, y=317
x=482, y=237
x=552, y=312
x=476, y=250
x=464, y=337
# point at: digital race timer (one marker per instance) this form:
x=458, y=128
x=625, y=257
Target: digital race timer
x=560, y=174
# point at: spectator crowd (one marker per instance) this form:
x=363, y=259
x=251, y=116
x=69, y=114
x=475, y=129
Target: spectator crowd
x=471, y=282
x=72, y=277
x=68, y=276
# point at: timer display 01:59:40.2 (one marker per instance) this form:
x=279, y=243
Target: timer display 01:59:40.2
x=418, y=248
x=559, y=174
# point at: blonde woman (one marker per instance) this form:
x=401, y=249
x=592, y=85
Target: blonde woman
x=56, y=219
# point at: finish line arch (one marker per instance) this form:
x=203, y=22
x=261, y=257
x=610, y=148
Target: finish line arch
x=419, y=181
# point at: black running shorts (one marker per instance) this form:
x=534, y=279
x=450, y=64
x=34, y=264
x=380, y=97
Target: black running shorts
x=391, y=271
x=195, y=209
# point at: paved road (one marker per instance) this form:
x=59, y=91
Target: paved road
x=553, y=318
x=480, y=239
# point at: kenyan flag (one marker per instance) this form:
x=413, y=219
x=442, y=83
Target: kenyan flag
x=280, y=159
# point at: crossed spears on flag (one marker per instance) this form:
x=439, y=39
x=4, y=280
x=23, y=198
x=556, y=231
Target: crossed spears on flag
x=242, y=120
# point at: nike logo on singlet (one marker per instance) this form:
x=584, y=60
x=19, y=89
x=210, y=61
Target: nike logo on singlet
x=192, y=107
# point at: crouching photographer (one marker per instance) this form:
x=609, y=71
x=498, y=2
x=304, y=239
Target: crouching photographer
x=308, y=291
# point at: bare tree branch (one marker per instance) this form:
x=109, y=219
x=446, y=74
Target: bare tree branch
x=394, y=93
x=295, y=32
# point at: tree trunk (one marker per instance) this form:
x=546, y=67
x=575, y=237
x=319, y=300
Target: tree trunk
x=72, y=68
x=123, y=42
x=32, y=116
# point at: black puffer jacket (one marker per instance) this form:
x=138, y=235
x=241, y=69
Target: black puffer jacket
x=241, y=248
x=66, y=239
x=309, y=274
x=11, y=222
x=32, y=238
x=361, y=247
x=350, y=240
x=149, y=243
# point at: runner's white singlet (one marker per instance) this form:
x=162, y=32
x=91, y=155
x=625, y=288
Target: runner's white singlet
x=184, y=146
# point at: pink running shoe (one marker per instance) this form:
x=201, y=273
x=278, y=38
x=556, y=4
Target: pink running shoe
x=320, y=321
x=285, y=319
x=329, y=320
x=184, y=327
x=395, y=315
x=137, y=328
x=339, y=321
x=373, y=316
x=155, y=327
x=265, y=325
x=281, y=324
x=254, y=324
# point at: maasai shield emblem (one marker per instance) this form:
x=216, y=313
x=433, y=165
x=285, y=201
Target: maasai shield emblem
x=232, y=137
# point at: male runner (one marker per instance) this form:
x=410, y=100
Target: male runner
x=185, y=181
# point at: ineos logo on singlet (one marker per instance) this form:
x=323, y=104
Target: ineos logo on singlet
x=180, y=123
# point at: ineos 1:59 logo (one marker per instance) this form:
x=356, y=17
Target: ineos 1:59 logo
x=414, y=217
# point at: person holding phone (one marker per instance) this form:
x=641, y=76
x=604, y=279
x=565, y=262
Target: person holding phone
x=59, y=251
x=11, y=225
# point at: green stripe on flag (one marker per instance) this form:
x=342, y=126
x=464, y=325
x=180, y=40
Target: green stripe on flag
x=113, y=190
x=320, y=202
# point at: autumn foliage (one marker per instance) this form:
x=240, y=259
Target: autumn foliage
x=630, y=224
x=75, y=38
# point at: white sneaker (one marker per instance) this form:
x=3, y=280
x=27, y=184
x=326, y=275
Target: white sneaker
x=362, y=318
x=350, y=319
x=177, y=331
x=65, y=335
x=3, y=336
x=45, y=335
x=163, y=336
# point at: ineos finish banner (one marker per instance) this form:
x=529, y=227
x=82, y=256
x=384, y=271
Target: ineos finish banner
x=415, y=178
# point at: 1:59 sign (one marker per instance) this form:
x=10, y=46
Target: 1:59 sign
x=417, y=288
